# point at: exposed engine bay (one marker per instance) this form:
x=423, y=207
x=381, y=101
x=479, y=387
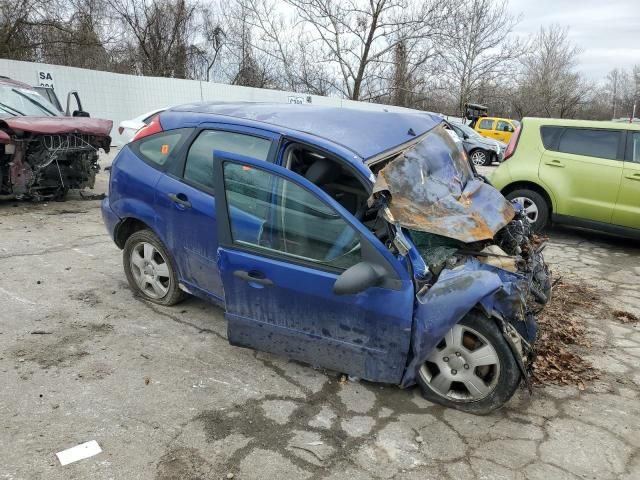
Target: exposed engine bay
x=44, y=153
x=37, y=166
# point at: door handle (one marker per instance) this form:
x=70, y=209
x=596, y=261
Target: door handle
x=555, y=163
x=253, y=277
x=633, y=176
x=180, y=199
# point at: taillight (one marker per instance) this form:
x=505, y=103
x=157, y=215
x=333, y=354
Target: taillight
x=513, y=143
x=120, y=130
x=154, y=126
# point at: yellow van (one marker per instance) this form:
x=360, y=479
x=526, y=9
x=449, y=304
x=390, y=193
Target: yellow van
x=496, y=128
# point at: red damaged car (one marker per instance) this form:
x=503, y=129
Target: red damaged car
x=43, y=152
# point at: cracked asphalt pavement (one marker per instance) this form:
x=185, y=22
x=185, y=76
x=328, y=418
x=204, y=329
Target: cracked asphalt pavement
x=166, y=397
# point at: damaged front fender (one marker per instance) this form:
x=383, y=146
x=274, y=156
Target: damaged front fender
x=457, y=291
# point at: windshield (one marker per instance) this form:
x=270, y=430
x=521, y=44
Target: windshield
x=16, y=101
x=433, y=190
x=466, y=129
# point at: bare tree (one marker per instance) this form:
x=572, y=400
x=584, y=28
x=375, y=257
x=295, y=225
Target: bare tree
x=550, y=86
x=160, y=34
x=359, y=37
x=622, y=88
x=214, y=37
x=479, y=48
x=245, y=65
x=14, y=34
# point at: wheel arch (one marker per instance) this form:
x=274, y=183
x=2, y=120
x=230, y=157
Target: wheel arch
x=484, y=150
x=534, y=187
x=127, y=227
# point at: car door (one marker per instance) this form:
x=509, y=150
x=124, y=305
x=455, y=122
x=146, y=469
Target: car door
x=503, y=131
x=582, y=167
x=627, y=211
x=485, y=127
x=185, y=202
x=279, y=285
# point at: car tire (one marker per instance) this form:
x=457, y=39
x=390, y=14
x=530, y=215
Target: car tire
x=535, y=206
x=474, y=388
x=150, y=270
x=480, y=158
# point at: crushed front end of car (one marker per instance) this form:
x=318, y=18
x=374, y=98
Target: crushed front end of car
x=469, y=248
x=44, y=154
x=40, y=163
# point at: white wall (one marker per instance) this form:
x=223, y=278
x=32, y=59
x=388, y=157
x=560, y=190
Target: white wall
x=120, y=97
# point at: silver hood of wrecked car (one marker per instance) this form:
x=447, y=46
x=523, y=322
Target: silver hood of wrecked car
x=434, y=190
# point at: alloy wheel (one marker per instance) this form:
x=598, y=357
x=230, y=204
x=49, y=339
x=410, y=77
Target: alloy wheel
x=529, y=207
x=478, y=158
x=464, y=366
x=150, y=270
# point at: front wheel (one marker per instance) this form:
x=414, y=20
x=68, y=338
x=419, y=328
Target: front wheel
x=534, y=205
x=472, y=368
x=480, y=158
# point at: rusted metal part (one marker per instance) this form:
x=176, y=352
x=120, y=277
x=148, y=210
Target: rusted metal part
x=432, y=193
x=47, y=166
x=20, y=174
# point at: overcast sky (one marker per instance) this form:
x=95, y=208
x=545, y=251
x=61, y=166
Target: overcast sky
x=608, y=31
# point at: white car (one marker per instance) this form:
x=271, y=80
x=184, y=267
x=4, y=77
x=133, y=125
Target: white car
x=128, y=128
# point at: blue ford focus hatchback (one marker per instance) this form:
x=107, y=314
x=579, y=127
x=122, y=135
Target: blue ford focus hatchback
x=362, y=242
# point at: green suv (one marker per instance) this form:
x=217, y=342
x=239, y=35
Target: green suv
x=576, y=172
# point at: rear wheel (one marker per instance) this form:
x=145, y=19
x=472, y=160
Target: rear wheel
x=480, y=158
x=472, y=368
x=534, y=205
x=149, y=269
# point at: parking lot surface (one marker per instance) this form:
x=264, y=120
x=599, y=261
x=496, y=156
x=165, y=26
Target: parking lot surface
x=166, y=397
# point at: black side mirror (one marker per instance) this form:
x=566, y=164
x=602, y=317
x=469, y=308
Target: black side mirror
x=358, y=278
x=76, y=113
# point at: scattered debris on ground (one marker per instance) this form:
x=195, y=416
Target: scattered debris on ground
x=561, y=330
x=625, y=317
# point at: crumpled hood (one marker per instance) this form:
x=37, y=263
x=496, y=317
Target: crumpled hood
x=58, y=125
x=434, y=190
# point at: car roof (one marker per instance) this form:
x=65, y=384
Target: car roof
x=13, y=83
x=565, y=122
x=497, y=118
x=367, y=133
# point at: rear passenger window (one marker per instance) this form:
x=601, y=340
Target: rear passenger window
x=550, y=136
x=199, y=165
x=590, y=143
x=158, y=149
x=486, y=124
x=635, y=147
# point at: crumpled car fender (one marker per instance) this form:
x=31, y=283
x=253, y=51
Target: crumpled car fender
x=456, y=292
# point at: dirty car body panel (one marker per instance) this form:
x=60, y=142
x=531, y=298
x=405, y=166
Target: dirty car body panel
x=424, y=229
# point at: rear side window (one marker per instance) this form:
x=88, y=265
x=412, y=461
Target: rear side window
x=550, y=136
x=635, y=147
x=590, y=143
x=159, y=148
x=486, y=124
x=199, y=164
